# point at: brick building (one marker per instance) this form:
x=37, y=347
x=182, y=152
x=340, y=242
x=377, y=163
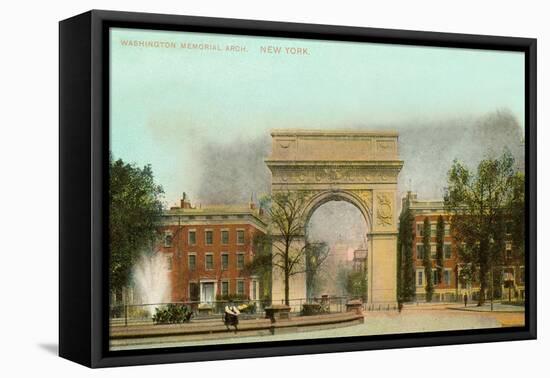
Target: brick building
x=207, y=248
x=447, y=285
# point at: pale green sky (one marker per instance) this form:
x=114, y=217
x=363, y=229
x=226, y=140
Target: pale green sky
x=168, y=105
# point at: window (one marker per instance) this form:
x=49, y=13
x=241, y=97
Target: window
x=209, y=261
x=240, y=287
x=225, y=261
x=225, y=237
x=192, y=262
x=419, y=278
x=447, y=277
x=240, y=260
x=433, y=228
x=168, y=239
x=192, y=237
x=240, y=236
x=447, y=251
x=419, y=251
x=208, y=237
x=169, y=263
x=225, y=288
x=447, y=229
x=420, y=229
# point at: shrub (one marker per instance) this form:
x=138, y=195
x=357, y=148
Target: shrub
x=313, y=309
x=172, y=313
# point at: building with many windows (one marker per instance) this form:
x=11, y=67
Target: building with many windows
x=207, y=249
x=446, y=282
x=359, y=261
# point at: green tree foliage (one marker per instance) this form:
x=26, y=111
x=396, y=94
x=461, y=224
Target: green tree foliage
x=135, y=208
x=427, y=259
x=481, y=202
x=405, y=258
x=439, y=237
x=261, y=265
x=356, y=284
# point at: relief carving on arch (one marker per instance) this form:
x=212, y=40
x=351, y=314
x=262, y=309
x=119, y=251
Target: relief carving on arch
x=328, y=175
x=366, y=197
x=384, y=211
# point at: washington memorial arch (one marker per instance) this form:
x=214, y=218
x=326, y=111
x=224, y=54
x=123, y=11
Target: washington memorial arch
x=354, y=166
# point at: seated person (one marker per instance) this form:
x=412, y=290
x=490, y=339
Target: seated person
x=231, y=316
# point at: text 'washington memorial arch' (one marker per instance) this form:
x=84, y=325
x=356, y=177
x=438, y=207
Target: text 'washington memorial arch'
x=354, y=166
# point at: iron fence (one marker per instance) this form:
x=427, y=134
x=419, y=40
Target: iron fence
x=127, y=314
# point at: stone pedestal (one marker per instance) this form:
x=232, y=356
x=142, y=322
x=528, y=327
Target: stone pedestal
x=355, y=306
x=277, y=313
x=205, y=310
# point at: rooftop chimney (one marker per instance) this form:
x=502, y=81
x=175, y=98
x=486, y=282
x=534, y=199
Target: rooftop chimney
x=184, y=203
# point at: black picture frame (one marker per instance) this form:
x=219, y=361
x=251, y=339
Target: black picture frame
x=83, y=167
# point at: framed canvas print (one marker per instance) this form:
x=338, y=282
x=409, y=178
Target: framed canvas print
x=234, y=188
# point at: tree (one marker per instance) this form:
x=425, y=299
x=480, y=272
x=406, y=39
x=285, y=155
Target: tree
x=427, y=259
x=439, y=238
x=261, y=263
x=516, y=225
x=134, y=210
x=405, y=271
x=497, y=248
x=479, y=203
x=315, y=255
x=286, y=217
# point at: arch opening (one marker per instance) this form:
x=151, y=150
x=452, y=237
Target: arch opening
x=337, y=230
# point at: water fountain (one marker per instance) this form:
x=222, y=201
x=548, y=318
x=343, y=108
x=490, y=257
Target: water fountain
x=152, y=280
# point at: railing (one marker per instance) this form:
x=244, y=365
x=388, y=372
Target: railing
x=128, y=314
x=143, y=313
x=332, y=304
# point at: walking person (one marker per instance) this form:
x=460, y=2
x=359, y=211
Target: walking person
x=465, y=299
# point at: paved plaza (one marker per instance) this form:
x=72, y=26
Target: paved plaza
x=411, y=319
